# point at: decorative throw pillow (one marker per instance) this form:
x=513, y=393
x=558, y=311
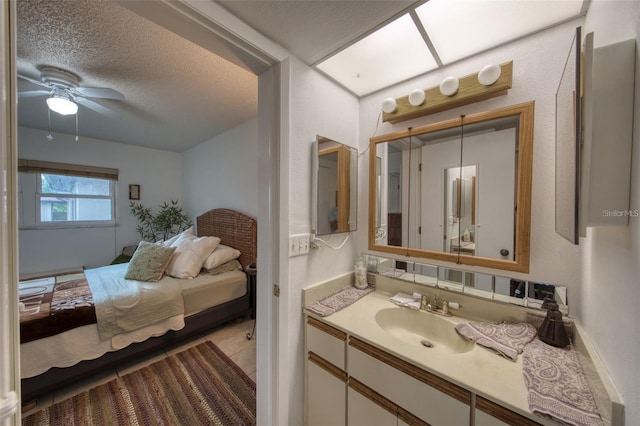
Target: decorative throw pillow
x=149, y=262
x=170, y=241
x=232, y=265
x=220, y=255
x=190, y=255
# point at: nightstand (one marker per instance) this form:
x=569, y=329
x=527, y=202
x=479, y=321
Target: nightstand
x=252, y=273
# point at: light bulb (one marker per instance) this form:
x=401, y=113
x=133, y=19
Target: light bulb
x=416, y=97
x=389, y=105
x=449, y=86
x=489, y=74
x=62, y=105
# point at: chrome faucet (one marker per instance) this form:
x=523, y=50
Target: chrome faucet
x=433, y=306
x=424, y=303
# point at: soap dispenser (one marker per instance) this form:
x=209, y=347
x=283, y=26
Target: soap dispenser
x=361, y=273
x=552, y=331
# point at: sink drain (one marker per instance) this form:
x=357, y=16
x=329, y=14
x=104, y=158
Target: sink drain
x=427, y=343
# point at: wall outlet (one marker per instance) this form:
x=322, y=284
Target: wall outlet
x=299, y=244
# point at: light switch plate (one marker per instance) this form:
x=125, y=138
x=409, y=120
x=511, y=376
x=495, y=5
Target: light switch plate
x=299, y=244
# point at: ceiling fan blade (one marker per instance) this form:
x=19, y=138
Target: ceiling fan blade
x=99, y=92
x=33, y=93
x=32, y=80
x=94, y=106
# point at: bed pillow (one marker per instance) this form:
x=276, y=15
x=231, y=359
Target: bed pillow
x=222, y=254
x=170, y=241
x=190, y=254
x=232, y=265
x=149, y=262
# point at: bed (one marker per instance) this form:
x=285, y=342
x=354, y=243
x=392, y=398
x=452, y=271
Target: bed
x=52, y=360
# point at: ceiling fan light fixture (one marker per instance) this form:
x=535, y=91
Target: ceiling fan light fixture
x=62, y=105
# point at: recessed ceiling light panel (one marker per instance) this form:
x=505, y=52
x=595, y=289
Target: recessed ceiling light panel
x=460, y=28
x=392, y=54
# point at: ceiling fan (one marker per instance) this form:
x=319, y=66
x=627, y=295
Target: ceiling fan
x=65, y=93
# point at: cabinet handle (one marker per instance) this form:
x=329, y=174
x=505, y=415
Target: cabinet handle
x=327, y=366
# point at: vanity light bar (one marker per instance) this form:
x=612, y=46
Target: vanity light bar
x=470, y=90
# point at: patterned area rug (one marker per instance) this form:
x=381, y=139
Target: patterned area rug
x=200, y=386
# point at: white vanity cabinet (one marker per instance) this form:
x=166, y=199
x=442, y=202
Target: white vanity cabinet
x=326, y=381
x=425, y=397
x=352, y=382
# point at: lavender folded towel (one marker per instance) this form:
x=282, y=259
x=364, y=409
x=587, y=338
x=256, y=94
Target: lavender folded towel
x=557, y=385
x=337, y=301
x=507, y=338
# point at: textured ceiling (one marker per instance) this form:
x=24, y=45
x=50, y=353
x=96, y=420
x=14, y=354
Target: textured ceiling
x=177, y=94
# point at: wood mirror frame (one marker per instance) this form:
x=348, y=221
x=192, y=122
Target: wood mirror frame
x=520, y=262
x=333, y=195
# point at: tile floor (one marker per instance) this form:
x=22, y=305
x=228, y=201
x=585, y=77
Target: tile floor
x=230, y=338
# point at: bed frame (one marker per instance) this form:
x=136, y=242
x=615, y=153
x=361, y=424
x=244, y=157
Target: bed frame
x=235, y=229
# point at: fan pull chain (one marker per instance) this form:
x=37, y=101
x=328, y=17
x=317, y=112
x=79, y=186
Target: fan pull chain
x=76, y=127
x=49, y=136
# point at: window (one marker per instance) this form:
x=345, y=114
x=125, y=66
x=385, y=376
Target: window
x=54, y=194
x=74, y=199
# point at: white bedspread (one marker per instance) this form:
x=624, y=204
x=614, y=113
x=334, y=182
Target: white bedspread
x=84, y=343
x=125, y=305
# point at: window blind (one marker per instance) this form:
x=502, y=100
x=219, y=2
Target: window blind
x=37, y=166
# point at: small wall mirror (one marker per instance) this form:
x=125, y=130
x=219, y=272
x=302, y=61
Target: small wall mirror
x=457, y=191
x=334, y=194
x=568, y=137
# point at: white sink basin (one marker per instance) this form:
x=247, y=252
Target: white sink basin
x=414, y=327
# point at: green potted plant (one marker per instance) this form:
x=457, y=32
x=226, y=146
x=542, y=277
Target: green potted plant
x=168, y=221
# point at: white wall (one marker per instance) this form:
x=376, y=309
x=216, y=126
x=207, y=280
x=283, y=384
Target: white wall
x=610, y=268
x=222, y=172
x=157, y=172
x=538, y=62
x=317, y=107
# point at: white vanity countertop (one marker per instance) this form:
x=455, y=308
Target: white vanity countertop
x=479, y=370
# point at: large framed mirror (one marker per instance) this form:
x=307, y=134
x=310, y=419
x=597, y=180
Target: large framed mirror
x=456, y=191
x=334, y=194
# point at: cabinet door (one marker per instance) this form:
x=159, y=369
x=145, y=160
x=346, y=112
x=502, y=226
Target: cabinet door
x=326, y=396
x=430, y=398
x=484, y=419
x=364, y=412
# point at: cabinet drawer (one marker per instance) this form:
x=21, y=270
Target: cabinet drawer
x=489, y=413
x=431, y=398
x=326, y=341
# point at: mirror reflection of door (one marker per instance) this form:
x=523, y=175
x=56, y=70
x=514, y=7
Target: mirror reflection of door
x=495, y=153
x=327, y=202
x=395, y=210
x=334, y=188
x=470, y=210
x=460, y=210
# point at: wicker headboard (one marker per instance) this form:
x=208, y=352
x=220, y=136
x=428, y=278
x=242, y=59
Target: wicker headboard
x=235, y=229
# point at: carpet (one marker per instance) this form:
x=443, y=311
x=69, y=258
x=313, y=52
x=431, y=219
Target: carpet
x=199, y=386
